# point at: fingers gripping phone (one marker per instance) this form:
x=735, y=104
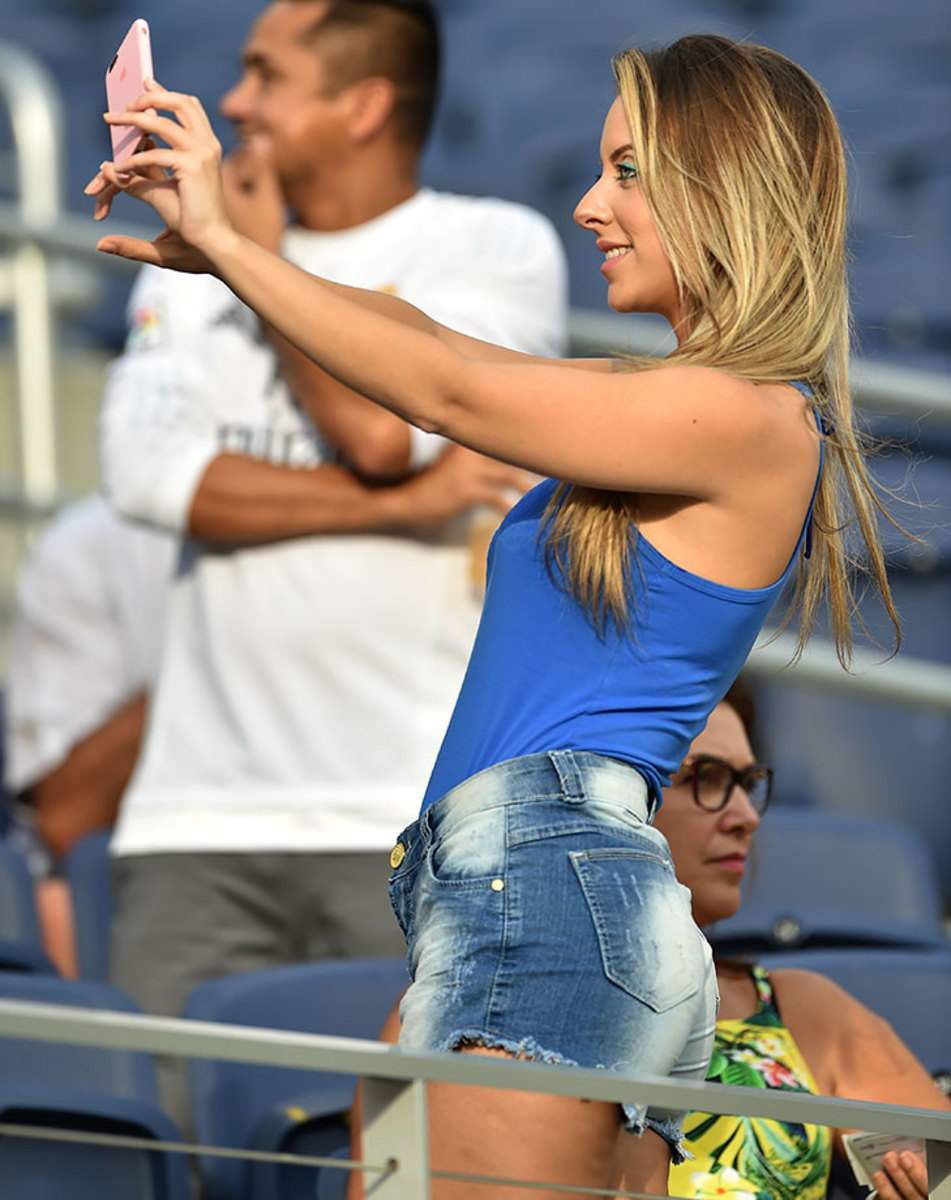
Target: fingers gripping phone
x=125, y=81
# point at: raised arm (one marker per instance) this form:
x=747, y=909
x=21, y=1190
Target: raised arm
x=681, y=430
x=168, y=460
x=254, y=208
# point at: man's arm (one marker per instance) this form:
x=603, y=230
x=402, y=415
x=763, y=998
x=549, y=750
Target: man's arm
x=162, y=463
x=82, y=793
x=161, y=454
x=374, y=442
x=78, y=670
x=242, y=501
x=161, y=458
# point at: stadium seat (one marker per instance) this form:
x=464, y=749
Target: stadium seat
x=15, y=956
x=315, y=1124
x=89, y=875
x=275, y=1108
x=911, y=989
x=20, y=947
x=85, y=1088
x=121, y=1073
x=855, y=754
x=332, y=1183
x=34, y=1168
x=818, y=878
x=4, y=811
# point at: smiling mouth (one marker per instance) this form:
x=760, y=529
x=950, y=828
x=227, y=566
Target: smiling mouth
x=617, y=252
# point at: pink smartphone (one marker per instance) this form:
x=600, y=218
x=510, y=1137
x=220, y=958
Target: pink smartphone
x=125, y=81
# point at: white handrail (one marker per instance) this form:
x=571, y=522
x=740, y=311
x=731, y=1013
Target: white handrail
x=901, y=680
x=877, y=387
x=31, y=95
x=393, y=1077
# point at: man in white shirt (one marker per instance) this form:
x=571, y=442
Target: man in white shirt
x=83, y=655
x=323, y=611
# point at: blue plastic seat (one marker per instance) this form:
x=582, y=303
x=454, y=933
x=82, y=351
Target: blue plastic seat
x=332, y=1182
x=20, y=947
x=114, y=1072
x=86, y=1088
x=4, y=810
x=39, y=1169
x=89, y=875
x=274, y=1108
x=911, y=989
x=820, y=878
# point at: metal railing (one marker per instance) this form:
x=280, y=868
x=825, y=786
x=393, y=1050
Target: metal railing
x=876, y=387
x=394, y=1098
x=31, y=96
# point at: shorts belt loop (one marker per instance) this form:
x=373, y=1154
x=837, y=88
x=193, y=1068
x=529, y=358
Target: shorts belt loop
x=568, y=775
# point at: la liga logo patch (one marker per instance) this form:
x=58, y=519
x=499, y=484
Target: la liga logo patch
x=145, y=329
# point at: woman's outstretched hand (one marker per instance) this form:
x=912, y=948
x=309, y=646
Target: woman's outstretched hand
x=181, y=181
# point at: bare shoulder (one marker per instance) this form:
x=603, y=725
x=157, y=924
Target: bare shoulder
x=731, y=409
x=820, y=1014
x=710, y=388
x=808, y=993
x=852, y=1051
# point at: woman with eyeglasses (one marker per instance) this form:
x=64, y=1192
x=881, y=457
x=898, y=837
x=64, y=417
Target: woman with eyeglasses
x=786, y=1028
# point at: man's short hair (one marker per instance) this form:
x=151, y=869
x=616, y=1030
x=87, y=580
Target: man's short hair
x=396, y=39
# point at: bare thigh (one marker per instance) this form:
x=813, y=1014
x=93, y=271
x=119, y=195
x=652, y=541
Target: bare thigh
x=549, y=1139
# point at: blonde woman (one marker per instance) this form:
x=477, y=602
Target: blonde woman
x=540, y=907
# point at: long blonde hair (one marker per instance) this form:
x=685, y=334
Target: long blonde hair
x=742, y=165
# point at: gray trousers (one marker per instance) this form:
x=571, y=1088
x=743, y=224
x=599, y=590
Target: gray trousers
x=181, y=919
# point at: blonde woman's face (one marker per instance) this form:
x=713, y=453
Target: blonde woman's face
x=640, y=277
x=710, y=849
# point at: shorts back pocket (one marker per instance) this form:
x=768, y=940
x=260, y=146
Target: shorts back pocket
x=649, y=943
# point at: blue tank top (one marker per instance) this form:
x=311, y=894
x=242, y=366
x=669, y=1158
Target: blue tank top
x=541, y=678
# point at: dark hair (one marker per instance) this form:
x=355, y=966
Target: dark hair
x=396, y=39
x=740, y=698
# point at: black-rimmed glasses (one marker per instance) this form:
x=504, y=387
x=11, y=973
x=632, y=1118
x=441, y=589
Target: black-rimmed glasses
x=712, y=780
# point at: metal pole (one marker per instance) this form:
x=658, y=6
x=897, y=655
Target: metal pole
x=900, y=680
x=32, y=98
x=938, y=1157
x=395, y=1130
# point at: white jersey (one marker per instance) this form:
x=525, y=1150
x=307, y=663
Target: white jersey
x=306, y=684
x=87, y=633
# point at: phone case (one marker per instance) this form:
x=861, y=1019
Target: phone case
x=131, y=65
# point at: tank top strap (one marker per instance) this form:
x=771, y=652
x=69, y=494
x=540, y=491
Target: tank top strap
x=764, y=992
x=825, y=430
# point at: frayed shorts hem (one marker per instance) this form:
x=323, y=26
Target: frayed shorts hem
x=635, y=1118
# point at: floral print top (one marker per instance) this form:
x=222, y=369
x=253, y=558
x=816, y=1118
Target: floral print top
x=750, y=1157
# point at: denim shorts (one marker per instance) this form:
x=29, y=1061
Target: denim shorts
x=542, y=917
